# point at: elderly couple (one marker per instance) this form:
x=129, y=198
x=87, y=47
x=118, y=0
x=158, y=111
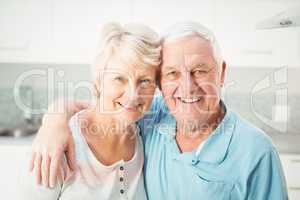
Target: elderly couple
x=158, y=129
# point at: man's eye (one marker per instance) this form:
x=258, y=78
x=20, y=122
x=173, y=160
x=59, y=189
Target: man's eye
x=145, y=82
x=198, y=72
x=171, y=74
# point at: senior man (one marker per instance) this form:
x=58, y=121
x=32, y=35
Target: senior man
x=195, y=147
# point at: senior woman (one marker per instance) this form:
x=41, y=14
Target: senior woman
x=109, y=150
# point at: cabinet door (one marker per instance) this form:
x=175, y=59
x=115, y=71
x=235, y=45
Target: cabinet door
x=24, y=32
x=75, y=27
x=291, y=167
x=294, y=194
x=13, y=158
x=243, y=45
x=55, y=31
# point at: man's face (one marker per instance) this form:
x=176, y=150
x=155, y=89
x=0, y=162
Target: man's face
x=190, y=78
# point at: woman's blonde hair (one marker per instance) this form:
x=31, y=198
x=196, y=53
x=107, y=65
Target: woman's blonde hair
x=135, y=44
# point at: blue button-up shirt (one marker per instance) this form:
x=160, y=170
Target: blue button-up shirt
x=237, y=161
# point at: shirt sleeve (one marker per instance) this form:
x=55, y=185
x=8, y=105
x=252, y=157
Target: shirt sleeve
x=158, y=108
x=267, y=180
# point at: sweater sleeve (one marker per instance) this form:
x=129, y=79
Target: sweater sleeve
x=28, y=189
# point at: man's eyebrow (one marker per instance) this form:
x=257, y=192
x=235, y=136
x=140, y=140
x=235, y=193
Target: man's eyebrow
x=145, y=76
x=198, y=65
x=169, y=67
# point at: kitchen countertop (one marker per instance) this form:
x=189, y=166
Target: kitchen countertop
x=11, y=141
x=285, y=143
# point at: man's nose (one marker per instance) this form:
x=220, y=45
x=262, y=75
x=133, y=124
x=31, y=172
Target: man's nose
x=188, y=85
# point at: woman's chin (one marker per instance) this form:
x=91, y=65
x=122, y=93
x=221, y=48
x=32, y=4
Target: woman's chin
x=127, y=119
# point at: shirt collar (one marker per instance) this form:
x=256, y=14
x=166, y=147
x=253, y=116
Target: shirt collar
x=167, y=126
x=215, y=147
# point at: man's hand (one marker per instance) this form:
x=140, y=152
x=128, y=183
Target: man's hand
x=53, y=141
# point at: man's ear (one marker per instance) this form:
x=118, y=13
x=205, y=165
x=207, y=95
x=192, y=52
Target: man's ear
x=158, y=78
x=223, y=73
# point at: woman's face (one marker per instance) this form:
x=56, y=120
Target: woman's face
x=126, y=91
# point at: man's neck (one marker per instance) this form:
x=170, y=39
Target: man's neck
x=189, y=137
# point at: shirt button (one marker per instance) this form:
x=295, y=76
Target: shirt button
x=121, y=179
x=121, y=168
x=194, y=162
x=122, y=191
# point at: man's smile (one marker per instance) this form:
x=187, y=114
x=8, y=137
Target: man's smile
x=190, y=99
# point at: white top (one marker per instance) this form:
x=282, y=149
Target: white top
x=92, y=180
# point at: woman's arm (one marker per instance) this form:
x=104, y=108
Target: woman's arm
x=54, y=139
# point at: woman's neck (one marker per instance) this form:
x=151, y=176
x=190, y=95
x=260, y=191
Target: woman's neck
x=108, y=139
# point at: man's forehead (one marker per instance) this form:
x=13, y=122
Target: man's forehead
x=186, y=58
x=187, y=50
x=186, y=44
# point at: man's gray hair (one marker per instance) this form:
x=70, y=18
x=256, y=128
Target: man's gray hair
x=183, y=29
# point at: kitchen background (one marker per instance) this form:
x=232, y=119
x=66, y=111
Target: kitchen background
x=46, y=47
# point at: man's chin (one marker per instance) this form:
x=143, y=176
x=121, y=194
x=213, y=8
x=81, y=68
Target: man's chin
x=191, y=116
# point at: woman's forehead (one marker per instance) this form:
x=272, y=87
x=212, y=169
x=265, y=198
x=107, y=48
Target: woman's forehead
x=117, y=66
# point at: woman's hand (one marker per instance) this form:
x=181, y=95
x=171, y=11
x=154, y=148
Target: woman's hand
x=53, y=141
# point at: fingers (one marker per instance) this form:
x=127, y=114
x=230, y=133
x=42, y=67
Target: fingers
x=81, y=104
x=37, y=168
x=31, y=162
x=55, y=168
x=45, y=170
x=70, y=155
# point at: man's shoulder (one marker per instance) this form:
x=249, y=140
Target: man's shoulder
x=250, y=138
x=156, y=113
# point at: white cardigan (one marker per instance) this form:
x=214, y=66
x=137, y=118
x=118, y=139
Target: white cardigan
x=92, y=180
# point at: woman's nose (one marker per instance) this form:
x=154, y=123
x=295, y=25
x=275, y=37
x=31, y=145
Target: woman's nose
x=132, y=94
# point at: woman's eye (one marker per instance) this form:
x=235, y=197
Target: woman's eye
x=120, y=79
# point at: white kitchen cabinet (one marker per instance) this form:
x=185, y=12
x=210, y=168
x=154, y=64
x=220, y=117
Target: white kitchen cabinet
x=13, y=159
x=75, y=27
x=162, y=14
x=24, y=30
x=55, y=31
x=66, y=31
x=243, y=45
x=294, y=194
x=291, y=167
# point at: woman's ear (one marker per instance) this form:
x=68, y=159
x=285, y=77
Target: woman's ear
x=97, y=90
